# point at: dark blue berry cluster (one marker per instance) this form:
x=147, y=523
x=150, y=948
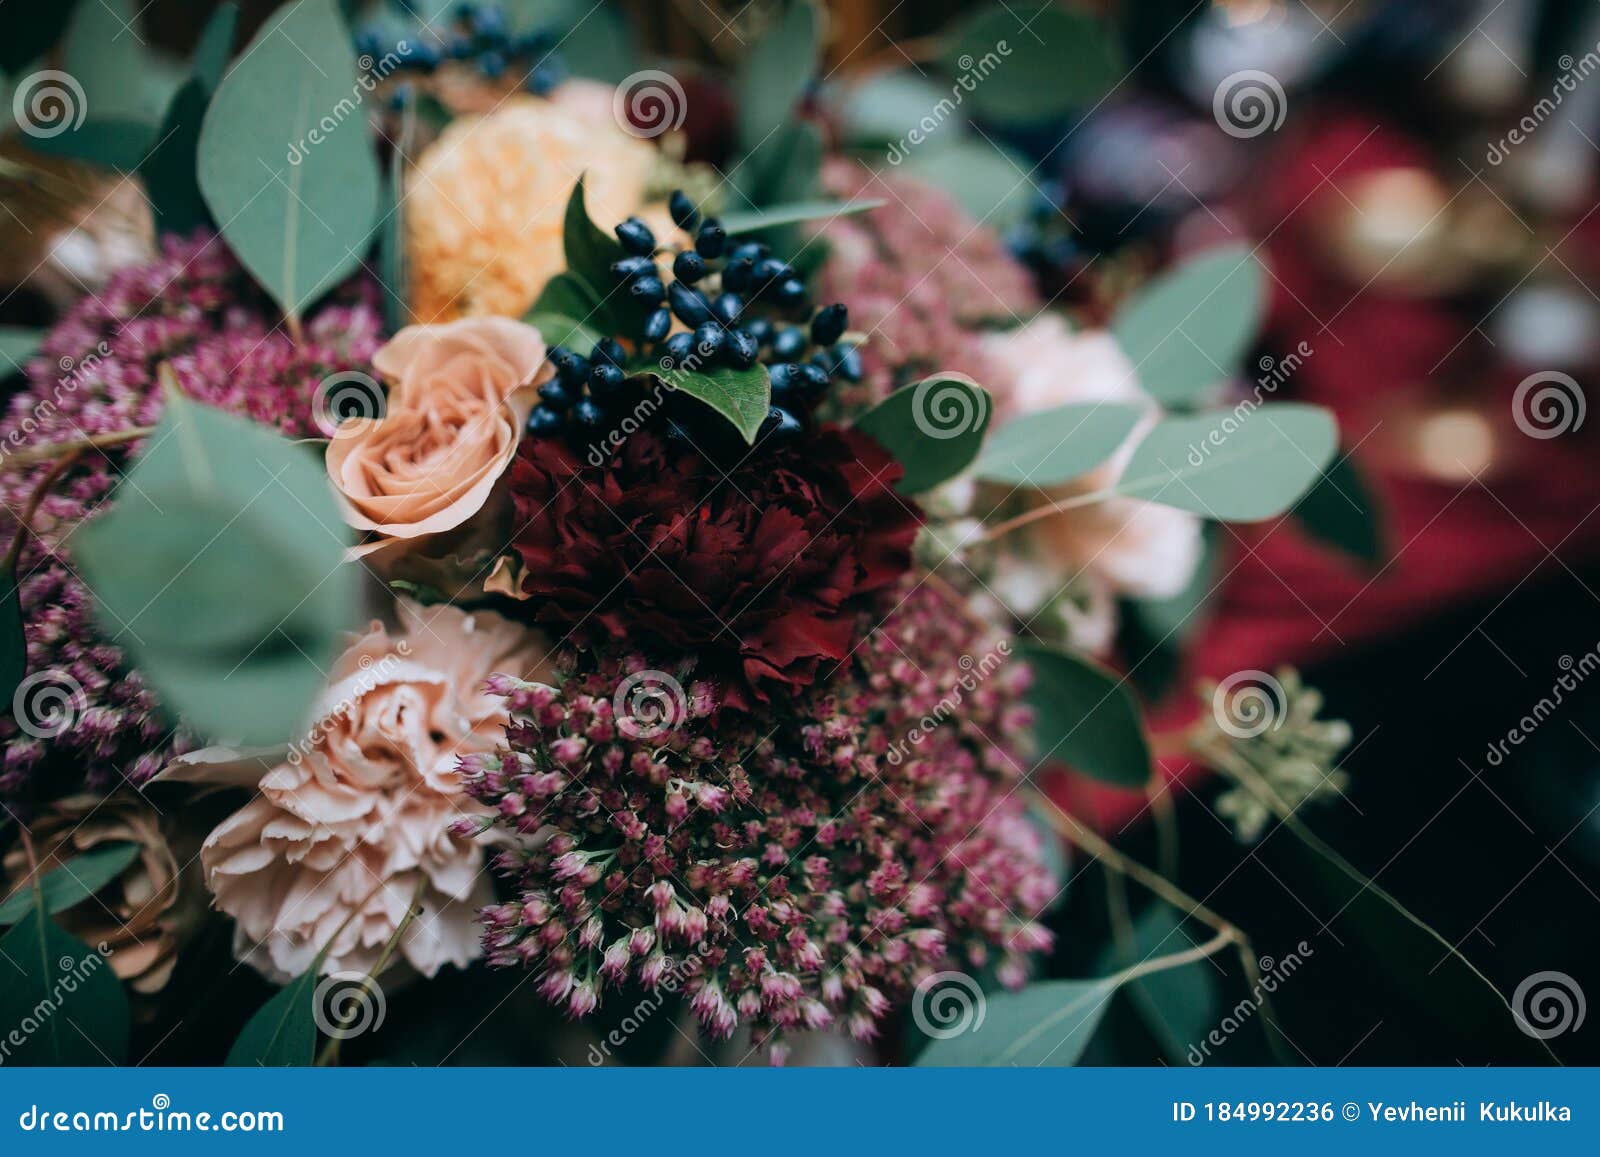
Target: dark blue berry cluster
x=479, y=36
x=741, y=306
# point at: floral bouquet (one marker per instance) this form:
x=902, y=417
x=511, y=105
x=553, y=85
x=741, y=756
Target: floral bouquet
x=490, y=538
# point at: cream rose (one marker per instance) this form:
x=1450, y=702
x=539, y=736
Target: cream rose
x=356, y=822
x=459, y=395
x=1137, y=548
x=486, y=200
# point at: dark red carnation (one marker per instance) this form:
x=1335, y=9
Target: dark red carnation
x=758, y=572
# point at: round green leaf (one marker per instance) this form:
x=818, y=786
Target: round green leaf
x=60, y=996
x=1047, y=1024
x=1086, y=717
x=933, y=428
x=1028, y=62
x=1057, y=445
x=286, y=164
x=1233, y=466
x=1186, y=330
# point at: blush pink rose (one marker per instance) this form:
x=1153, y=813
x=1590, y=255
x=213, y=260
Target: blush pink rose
x=459, y=394
x=1134, y=547
x=357, y=821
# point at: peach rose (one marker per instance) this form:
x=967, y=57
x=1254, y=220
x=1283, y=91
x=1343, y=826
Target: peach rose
x=486, y=200
x=459, y=395
x=1137, y=548
x=357, y=822
x=147, y=912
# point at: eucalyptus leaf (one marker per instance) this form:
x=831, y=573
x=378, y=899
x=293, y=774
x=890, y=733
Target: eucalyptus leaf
x=882, y=109
x=1057, y=445
x=1231, y=466
x=1024, y=63
x=1046, y=1024
x=1341, y=510
x=773, y=75
x=60, y=997
x=1086, y=717
x=17, y=345
x=934, y=428
x=1187, y=330
x=104, y=53
x=170, y=170
x=74, y=881
x=215, y=48
x=741, y=396
x=220, y=566
x=1179, y=1005
x=755, y=220
x=285, y=161
x=283, y=1032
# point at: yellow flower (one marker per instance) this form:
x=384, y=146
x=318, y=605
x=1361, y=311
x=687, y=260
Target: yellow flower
x=484, y=211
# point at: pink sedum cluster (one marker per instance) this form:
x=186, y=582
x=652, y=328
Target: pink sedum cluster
x=194, y=308
x=921, y=278
x=799, y=869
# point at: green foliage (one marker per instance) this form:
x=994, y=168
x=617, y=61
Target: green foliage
x=286, y=164
x=170, y=171
x=989, y=181
x=60, y=996
x=17, y=345
x=1238, y=468
x=773, y=75
x=220, y=566
x=1046, y=1024
x=1024, y=63
x=1342, y=511
x=61, y=888
x=1179, y=1005
x=283, y=1032
x=755, y=220
x=1057, y=445
x=1086, y=718
x=741, y=396
x=1187, y=330
x=934, y=428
